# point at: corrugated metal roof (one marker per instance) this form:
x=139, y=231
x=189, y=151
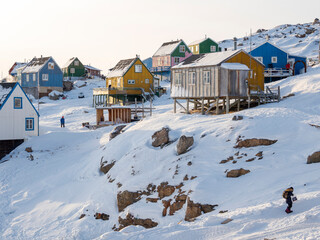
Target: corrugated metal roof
x=35, y=65
x=167, y=48
x=121, y=68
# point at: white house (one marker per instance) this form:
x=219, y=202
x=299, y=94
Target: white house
x=18, y=117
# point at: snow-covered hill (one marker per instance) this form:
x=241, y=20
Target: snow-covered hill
x=44, y=198
x=297, y=39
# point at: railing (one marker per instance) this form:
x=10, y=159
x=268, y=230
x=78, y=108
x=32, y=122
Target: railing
x=160, y=69
x=277, y=72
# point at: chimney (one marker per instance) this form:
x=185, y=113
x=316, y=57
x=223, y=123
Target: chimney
x=205, y=36
x=137, y=56
x=235, y=43
x=267, y=37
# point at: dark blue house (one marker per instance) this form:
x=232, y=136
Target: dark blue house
x=279, y=64
x=41, y=76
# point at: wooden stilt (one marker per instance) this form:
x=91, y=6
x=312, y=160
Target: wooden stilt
x=224, y=105
x=142, y=108
x=217, y=106
x=174, y=105
x=228, y=104
x=238, y=105
x=188, y=106
x=202, y=106
x=150, y=106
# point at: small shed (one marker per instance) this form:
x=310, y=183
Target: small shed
x=115, y=115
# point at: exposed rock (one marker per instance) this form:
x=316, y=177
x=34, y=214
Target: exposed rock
x=259, y=154
x=230, y=158
x=300, y=35
x=102, y=216
x=223, y=161
x=82, y=216
x=310, y=30
x=227, y=221
x=179, y=186
x=182, y=197
x=28, y=149
x=237, y=118
x=205, y=208
x=119, y=185
x=165, y=190
x=175, y=207
x=289, y=95
x=127, y=198
x=314, y=125
x=116, y=131
x=237, y=153
x=154, y=200
x=314, y=158
x=316, y=21
x=186, y=178
x=131, y=220
x=166, y=205
x=193, y=177
x=189, y=163
x=250, y=159
x=237, y=173
x=193, y=211
x=234, y=161
x=54, y=95
x=105, y=167
x=31, y=157
x=160, y=137
x=184, y=144
x=67, y=85
x=223, y=211
x=253, y=142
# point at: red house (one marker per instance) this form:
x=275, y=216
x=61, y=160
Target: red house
x=92, y=71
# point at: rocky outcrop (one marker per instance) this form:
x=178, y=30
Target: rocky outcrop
x=28, y=149
x=195, y=209
x=314, y=158
x=184, y=144
x=237, y=173
x=102, y=216
x=131, y=220
x=160, y=138
x=165, y=190
x=67, y=85
x=116, y=131
x=153, y=200
x=253, y=142
x=127, y=198
x=166, y=205
x=105, y=167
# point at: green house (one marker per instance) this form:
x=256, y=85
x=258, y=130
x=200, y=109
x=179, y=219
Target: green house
x=73, y=68
x=205, y=45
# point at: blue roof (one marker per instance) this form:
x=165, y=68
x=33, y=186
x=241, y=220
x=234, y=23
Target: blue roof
x=8, y=96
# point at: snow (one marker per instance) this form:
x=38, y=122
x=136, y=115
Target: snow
x=19, y=65
x=3, y=94
x=120, y=69
x=92, y=68
x=209, y=59
x=44, y=198
x=167, y=48
x=68, y=62
x=234, y=66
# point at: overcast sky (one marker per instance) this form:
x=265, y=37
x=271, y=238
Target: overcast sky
x=102, y=32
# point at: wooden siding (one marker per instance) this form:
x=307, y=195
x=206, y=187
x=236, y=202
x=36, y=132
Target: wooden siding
x=79, y=70
x=257, y=68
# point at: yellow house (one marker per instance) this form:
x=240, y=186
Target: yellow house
x=130, y=79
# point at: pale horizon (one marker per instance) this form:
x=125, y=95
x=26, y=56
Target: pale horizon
x=101, y=33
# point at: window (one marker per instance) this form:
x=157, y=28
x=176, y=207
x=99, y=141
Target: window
x=182, y=48
x=260, y=59
x=76, y=63
x=206, y=77
x=251, y=74
x=192, y=78
x=177, y=78
x=213, y=48
x=119, y=82
x=274, y=59
x=138, y=68
x=51, y=65
x=34, y=77
x=159, y=62
x=72, y=70
x=131, y=81
x=191, y=48
x=27, y=77
x=45, y=77
x=196, y=48
x=147, y=81
x=17, y=103
x=176, y=60
x=29, y=124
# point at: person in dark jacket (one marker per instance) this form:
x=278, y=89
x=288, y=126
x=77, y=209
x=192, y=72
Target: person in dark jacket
x=62, y=121
x=287, y=194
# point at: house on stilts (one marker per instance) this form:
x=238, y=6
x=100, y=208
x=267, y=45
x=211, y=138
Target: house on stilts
x=219, y=81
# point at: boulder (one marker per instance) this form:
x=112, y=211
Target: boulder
x=82, y=216
x=67, y=85
x=116, y=131
x=160, y=138
x=127, y=198
x=166, y=205
x=131, y=220
x=105, y=167
x=253, y=142
x=55, y=95
x=226, y=221
x=165, y=190
x=193, y=211
x=237, y=118
x=316, y=21
x=237, y=173
x=28, y=149
x=314, y=158
x=154, y=200
x=102, y=216
x=175, y=207
x=184, y=144
x=259, y=154
x=205, y=208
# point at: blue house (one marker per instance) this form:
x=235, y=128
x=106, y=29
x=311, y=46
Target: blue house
x=279, y=63
x=41, y=76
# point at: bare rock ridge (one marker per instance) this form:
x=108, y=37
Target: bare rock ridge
x=184, y=144
x=105, y=167
x=253, y=142
x=131, y=220
x=160, y=138
x=195, y=209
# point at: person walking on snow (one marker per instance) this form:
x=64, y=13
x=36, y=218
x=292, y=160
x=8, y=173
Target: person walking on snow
x=62, y=121
x=287, y=194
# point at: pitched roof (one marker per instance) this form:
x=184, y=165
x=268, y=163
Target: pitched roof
x=92, y=68
x=121, y=68
x=68, y=62
x=35, y=64
x=199, y=41
x=3, y=94
x=206, y=59
x=17, y=65
x=167, y=48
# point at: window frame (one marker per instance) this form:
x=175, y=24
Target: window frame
x=213, y=48
x=14, y=103
x=192, y=77
x=182, y=48
x=31, y=127
x=50, y=65
x=131, y=82
x=177, y=78
x=138, y=68
x=76, y=63
x=72, y=70
x=206, y=78
x=34, y=77
x=175, y=58
x=259, y=59
x=274, y=59
x=147, y=81
x=43, y=78
x=27, y=77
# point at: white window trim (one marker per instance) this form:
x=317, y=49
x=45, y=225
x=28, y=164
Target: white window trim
x=50, y=65
x=192, y=78
x=213, y=48
x=76, y=63
x=27, y=77
x=176, y=58
x=72, y=70
x=138, y=68
x=147, y=81
x=274, y=59
x=177, y=79
x=260, y=59
x=207, y=78
x=45, y=77
x=182, y=48
x=196, y=48
x=34, y=77
x=131, y=81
